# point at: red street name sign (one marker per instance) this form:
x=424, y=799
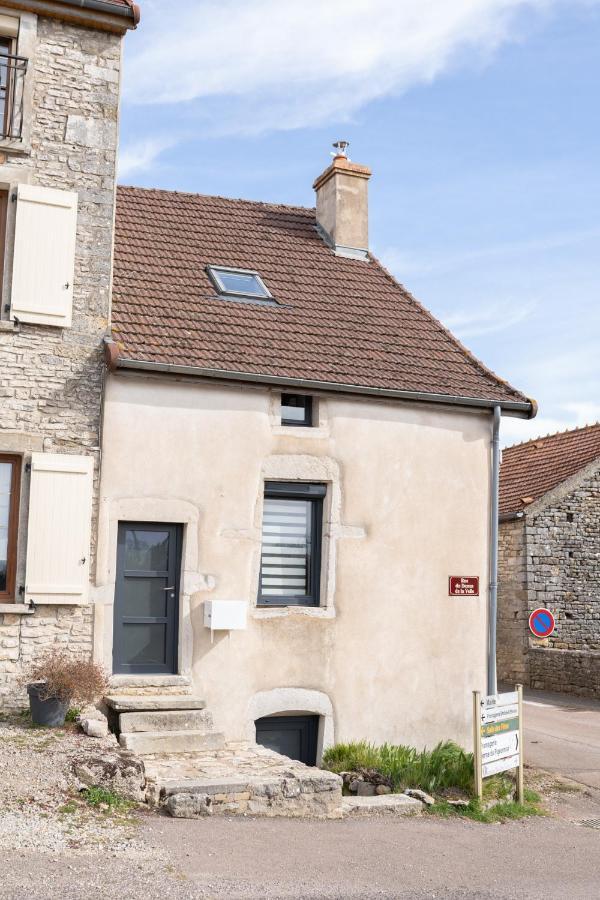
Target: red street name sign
x=463, y=586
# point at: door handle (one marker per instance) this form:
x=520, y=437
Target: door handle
x=172, y=588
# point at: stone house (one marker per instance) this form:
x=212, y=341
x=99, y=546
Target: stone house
x=296, y=458
x=60, y=63
x=549, y=555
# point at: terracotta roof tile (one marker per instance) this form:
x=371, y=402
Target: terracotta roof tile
x=337, y=320
x=530, y=470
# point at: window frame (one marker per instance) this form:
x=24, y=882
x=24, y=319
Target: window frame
x=213, y=274
x=316, y=494
x=307, y=422
x=13, y=525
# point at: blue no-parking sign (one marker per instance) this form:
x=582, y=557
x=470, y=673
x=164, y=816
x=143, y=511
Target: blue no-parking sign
x=541, y=622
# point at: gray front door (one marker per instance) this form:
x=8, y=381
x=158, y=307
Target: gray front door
x=147, y=598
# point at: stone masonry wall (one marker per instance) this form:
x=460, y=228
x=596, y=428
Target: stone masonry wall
x=51, y=378
x=564, y=550
x=555, y=550
x=512, y=603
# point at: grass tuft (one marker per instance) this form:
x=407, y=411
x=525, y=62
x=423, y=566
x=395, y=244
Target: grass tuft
x=446, y=766
x=100, y=797
x=499, y=812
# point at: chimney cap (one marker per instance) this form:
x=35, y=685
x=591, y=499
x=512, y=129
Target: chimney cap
x=341, y=149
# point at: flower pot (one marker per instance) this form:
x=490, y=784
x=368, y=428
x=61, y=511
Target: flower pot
x=50, y=712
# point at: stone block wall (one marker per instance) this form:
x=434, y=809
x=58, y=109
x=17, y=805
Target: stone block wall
x=51, y=378
x=25, y=637
x=551, y=557
x=563, y=541
x=512, y=647
x=565, y=671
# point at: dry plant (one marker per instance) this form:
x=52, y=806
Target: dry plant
x=67, y=678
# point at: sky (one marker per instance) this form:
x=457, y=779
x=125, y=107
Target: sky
x=479, y=118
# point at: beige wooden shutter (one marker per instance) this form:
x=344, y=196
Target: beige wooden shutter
x=44, y=255
x=58, y=534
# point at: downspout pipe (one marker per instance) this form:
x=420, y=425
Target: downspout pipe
x=492, y=682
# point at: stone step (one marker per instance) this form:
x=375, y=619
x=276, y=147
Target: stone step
x=152, y=702
x=165, y=720
x=171, y=741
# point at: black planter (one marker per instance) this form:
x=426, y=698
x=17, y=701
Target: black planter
x=51, y=712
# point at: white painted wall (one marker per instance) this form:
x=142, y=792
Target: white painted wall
x=408, y=506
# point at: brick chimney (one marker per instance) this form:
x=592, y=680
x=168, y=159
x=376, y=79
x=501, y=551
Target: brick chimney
x=343, y=206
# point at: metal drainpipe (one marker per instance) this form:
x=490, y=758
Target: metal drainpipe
x=492, y=684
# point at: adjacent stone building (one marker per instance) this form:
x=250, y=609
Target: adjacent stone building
x=549, y=555
x=59, y=107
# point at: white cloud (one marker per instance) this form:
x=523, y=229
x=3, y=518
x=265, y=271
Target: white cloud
x=141, y=155
x=442, y=262
x=567, y=416
x=488, y=318
x=278, y=65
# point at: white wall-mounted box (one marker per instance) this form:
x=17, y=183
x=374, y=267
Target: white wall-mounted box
x=225, y=615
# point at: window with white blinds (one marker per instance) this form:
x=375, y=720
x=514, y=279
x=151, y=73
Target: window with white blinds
x=290, y=570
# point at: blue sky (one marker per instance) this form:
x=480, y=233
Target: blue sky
x=480, y=121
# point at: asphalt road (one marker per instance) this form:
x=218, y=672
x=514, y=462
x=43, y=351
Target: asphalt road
x=361, y=859
x=562, y=735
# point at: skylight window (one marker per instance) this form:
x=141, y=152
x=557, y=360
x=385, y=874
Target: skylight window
x=239, y=283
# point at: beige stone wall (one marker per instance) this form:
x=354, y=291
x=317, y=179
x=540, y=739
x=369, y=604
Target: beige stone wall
x=513, y=610
x=51, y=378
x=407, y=506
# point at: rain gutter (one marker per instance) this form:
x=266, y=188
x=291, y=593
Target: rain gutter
x=524, y=410
x=492, y=683
x=94, y=13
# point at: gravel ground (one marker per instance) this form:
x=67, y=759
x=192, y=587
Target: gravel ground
x=40, y=806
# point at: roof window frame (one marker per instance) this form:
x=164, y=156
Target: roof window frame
x=213, y=273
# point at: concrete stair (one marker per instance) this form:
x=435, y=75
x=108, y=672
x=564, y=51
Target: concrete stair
x=162, y=724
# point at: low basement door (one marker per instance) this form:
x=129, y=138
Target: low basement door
x=147, y=599
x=293, y=736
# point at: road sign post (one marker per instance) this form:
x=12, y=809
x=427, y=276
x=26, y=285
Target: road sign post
x=498, y=737
x=520, y=785
x=477, y=745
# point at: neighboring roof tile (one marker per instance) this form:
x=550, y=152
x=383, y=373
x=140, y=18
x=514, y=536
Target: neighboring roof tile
x=338, y=320
x=530, y=470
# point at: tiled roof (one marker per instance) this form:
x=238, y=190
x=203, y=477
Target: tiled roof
x=337, y=320
x=530, y=470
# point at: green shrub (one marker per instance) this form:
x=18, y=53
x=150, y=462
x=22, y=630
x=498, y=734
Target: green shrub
x=446, y=766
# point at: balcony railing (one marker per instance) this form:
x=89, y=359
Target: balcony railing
x=12, y=84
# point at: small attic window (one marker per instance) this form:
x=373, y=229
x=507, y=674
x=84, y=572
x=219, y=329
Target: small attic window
x=239, y=283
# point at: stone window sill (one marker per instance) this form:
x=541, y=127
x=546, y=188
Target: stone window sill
x=15, y=148
x=307, y=432
x=16, y=609
x=282, y=612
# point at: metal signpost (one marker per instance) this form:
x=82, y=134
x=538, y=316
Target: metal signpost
x=498, y=737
